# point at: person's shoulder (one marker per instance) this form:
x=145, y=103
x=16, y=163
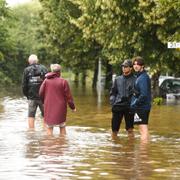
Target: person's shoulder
x=119, y=77
x=42, y=66
x=145, y=74
x=144, y=77
x=43, y=69
x=62, y=79
x=27, y=68
x=132, y=76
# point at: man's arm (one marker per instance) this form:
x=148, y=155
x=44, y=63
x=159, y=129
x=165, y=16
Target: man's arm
x=113, y=92
x=25, y=84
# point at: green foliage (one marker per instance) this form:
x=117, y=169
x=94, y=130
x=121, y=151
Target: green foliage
x=69, y=46
x=23, y=27
x=5, y=80
x=130, y=28
x=3, y=27
x=158, y=101
x=76, y=33
x=18, y=39
x=5, y=45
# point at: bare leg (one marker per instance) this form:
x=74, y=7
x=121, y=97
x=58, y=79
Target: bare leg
x=62, y=130
x=44, y=124
x=143, y=128
x=130, y=132
x=114, y=134
x=49, y=130
x=31, y=122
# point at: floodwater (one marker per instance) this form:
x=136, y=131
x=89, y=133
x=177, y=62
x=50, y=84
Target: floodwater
x=87, y=151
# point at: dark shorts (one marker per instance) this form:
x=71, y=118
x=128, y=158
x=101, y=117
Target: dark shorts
x=141, y=117
x=117, y=116
x=32, y=107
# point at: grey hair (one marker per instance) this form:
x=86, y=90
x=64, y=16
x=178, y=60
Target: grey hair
x=55, y=67
x=33, y=59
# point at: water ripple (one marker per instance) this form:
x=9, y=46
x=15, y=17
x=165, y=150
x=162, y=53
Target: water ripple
x=85, y=153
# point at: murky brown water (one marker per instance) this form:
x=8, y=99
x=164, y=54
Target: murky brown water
x=87, y=152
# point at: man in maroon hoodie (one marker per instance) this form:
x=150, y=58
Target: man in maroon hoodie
x=56, y=95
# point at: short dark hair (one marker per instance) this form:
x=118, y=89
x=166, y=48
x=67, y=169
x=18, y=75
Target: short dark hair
x=139, y=60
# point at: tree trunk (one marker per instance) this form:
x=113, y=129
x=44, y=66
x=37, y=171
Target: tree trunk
x=84, y=78
x=155, y=84
x=76, y=78
x=95, y=75
x=109, y=72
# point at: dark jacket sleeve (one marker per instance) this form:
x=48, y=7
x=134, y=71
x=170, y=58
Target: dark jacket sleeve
x=143, y=93
x=44, y=71
x=113, y=92
x=141, y=98
x=42, y=90
x=25, y=84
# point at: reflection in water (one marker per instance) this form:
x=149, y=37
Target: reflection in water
x=88, y=151
x=132, y=159
x=143, y=164
x=46, y=156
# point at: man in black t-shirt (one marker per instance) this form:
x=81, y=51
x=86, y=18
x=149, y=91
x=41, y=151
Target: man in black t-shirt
x=33, y=77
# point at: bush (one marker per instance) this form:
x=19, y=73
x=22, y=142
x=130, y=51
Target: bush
x=158, y=101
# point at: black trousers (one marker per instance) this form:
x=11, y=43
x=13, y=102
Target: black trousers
x=118, y=113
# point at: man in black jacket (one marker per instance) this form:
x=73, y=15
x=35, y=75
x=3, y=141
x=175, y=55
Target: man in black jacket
x=120, y=98
x=33, y=77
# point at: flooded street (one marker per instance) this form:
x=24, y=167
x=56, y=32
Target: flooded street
x=88, y=151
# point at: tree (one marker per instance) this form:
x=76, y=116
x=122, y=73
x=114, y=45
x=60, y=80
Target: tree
x=71, y=48
x=23, y=28
x=5, y=45
x=128, y=28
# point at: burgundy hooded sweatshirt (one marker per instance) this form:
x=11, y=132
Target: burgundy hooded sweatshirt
x=56, y=95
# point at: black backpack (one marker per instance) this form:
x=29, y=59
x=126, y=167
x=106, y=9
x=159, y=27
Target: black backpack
x=36, y=74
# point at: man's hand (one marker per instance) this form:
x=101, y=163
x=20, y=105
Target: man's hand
x=74, y=110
